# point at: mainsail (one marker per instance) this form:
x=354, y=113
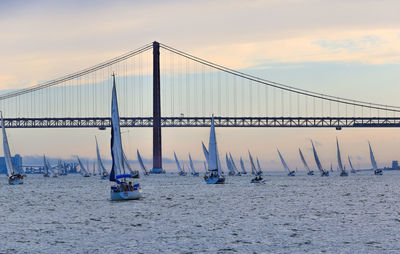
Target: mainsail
x=229, y=164
x=191, y=165
x=205, y=151
x=101, y=168
x=83, y=169
x=213, y=158
x=242, y=166
x=339, y=158
x=371, y=154
x=233, y=163
x=253, y=167
x=177, y=163
x=304, y=161
x=126, y=163
x=6, y=149
x=317, y=161
x=351, y=165
x=283, y=161
x=141, y=162
x=118, y=169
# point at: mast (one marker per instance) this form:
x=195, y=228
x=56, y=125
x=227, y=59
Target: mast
x=304, y=161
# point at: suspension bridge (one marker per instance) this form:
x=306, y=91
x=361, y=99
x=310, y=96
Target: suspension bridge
x=161, y=86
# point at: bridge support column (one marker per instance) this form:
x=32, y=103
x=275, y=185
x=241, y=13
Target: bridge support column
x=157, y=154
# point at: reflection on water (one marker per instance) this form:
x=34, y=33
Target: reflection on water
x=355, y=214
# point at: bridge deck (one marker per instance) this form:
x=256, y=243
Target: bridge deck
x=99, y=122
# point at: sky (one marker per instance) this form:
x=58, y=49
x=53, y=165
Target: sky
x=344, y=48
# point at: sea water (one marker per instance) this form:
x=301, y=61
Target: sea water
x=181, y=214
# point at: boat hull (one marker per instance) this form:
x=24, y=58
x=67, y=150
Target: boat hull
x=15, y=181
x=378, y=172
x=310, y=173
x=325, y=173
x=343, y=173
x=293, y=173
x=126, y=195
x=215, y=180
x=195, y=174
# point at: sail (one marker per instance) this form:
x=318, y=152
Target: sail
x=242, y=166
x=177, y=163
x=205, y=151
x=45, y=166
x=141, y=162
x=317, y=161
x=212, y=149
x=339, y=158
x=258, y=166
x=253, y=167
x=229, y=164
x=371, y=154
x=126, y=163
x=205, y=166
x=101, y=168
x=304, y=161
x=233, y=163
x=191, y=165
x=283, y=161
x=6, y=149
x=83, y=169
x=351, y=165
x=117, y=168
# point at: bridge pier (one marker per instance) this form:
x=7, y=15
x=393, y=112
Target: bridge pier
x=157, y=154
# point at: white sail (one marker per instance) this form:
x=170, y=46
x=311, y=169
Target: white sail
x=141, y=162
x=373, y=161
x=126, y=163
x=242, y=166
x=6, y=149
x=253, y=167
x=116, y=142
x=283, y=161
x=339, y=158
x=101, y=168
x=351, y=165
x=191, y=165
x=205, y=166
x=177, y=163
x=206, y=155
x=304, y=161
x=83, y=169
x=317, y=161
x=45, y=166
x=212, y=149
x=229, y=164
x=258, y=166
x=233, y=163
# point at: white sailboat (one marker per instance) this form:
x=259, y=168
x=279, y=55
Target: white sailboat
x=242, y=166
x=254, y=171
x=100, y=166
x=309, y=171
x=377, y=171
x=181, y=171
x=351, y=165
x=229, y=165
x=318, y=162
x=290, y=172
x=122, y=190
x=145, y=172
x=237, y=172
x=46, y=167
x=214, y=173
x=194, y=173
x=84, y=171
x=343, y=171
x=14, y=177
x=133, y=173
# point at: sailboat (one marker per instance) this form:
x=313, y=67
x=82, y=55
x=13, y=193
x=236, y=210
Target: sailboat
x=181, y=171
x=100, y=166
x=214, y=173
x=94, y=169
x=351, y=165
x=290, y=172
x=318, y=162
x=84, y=172
x=259, y=168
x=45, y=167
x=194, y=173
x=205, y=151
x=122, y=190
x=13, y=176
x=237, y=172
x=229, y=165
x=309, y=171
x=254, y=171
x=343, y=171
x=373, y=162
x=133, y=173
x=242, y=166
x=145, y=172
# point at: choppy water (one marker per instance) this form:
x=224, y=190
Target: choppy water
x=72, y=214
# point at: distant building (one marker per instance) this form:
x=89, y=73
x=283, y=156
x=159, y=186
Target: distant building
x=395, y=164
x=16, y=161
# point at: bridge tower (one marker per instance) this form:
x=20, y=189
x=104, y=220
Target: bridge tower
x=157, y=154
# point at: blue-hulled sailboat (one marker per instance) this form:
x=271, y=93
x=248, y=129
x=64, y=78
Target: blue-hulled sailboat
x=14, y=177
x=122, y=190
x=214, y=173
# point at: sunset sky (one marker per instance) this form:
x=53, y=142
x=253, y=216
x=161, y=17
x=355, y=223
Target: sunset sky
x=344, y=48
